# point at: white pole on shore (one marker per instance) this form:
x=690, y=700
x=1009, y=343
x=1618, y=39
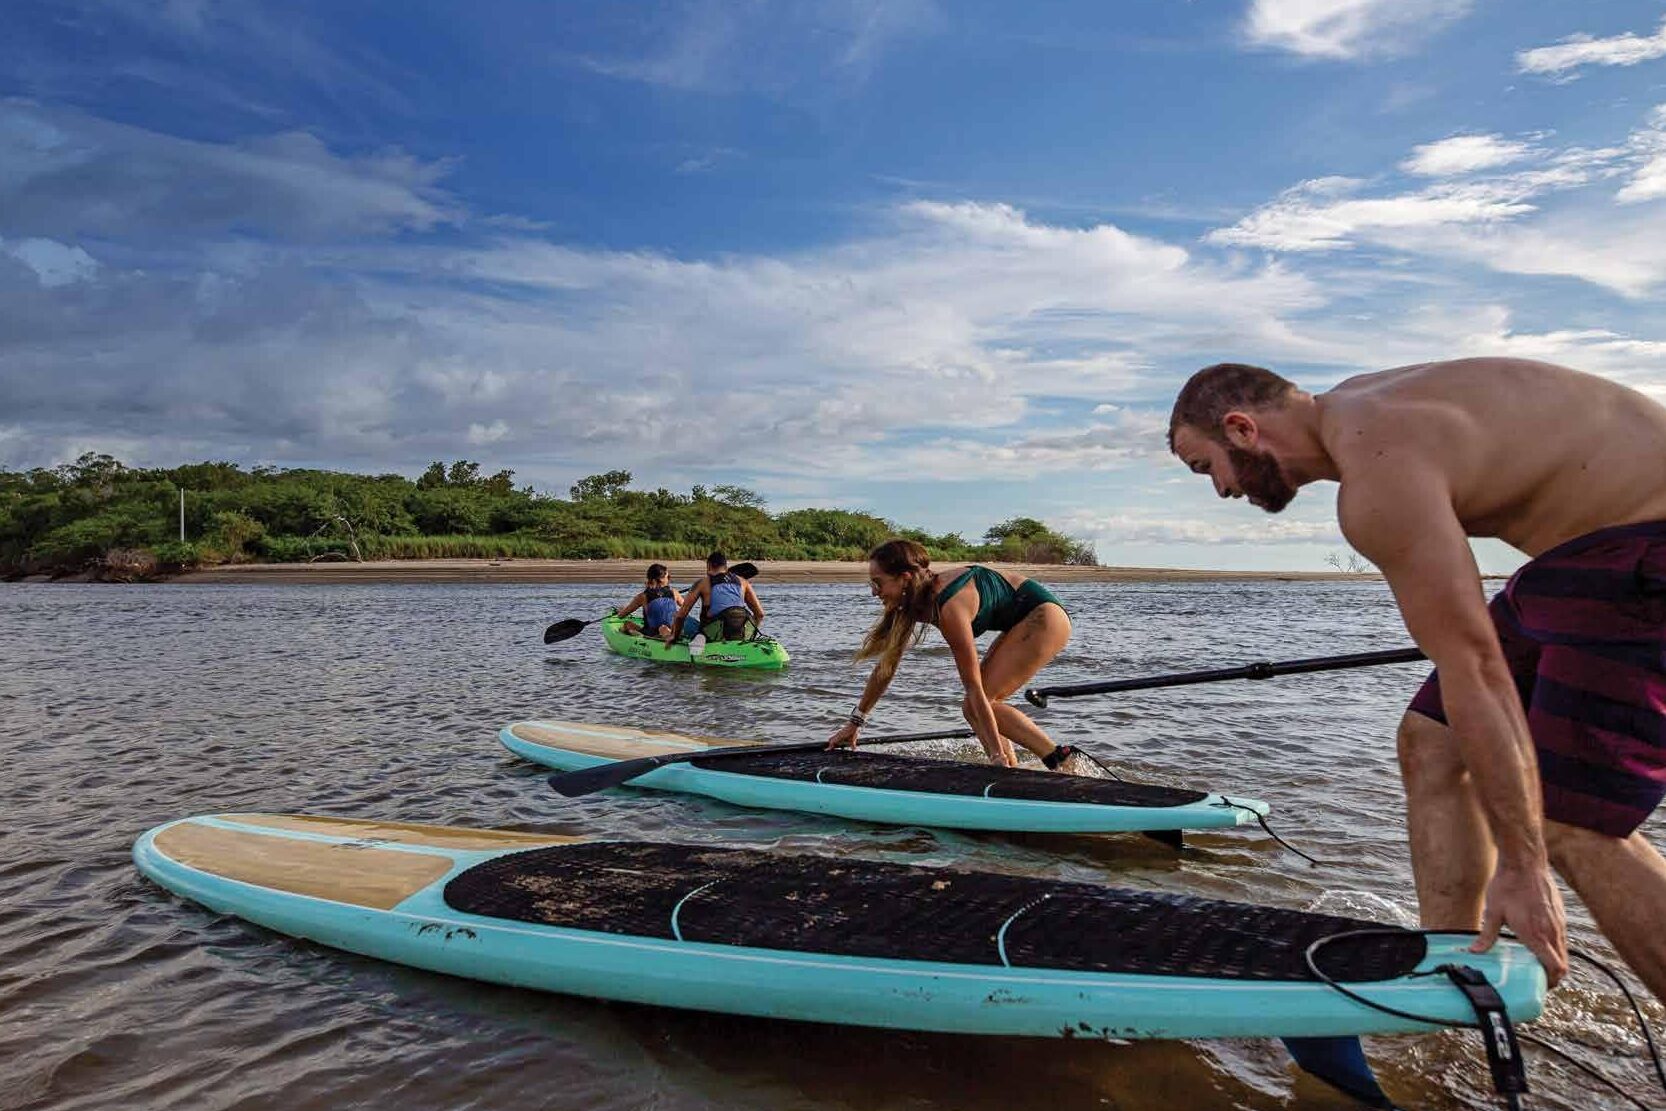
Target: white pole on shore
x=182, y=514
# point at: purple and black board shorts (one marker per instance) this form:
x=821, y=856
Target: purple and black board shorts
x=1583, y=628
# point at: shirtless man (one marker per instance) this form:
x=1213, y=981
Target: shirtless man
x=1541, y=738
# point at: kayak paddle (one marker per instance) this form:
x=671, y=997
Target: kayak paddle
x=1263, y=670
x=602, y=776
x=570, y=628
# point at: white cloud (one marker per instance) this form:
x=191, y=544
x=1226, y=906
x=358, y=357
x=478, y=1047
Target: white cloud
x=1347, y=29
x=815, y=48
x=1572, y=53
x=1133, y=436
x=1463, y=154
x=1145, y=528
x=1649, y=181
x=1313, y=216
x=1501, y=220
x=54, y=263
x=935, y=345
x=487, y=433
x=64, y=174
x=1441, y=330
x=955, y=316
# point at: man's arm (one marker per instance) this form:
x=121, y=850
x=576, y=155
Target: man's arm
x=687, y=604
x=630, y=608
x=752, y=602
x=1400, y=516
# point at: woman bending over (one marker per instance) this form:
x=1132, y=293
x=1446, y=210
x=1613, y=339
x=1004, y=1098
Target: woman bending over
x=964, y=603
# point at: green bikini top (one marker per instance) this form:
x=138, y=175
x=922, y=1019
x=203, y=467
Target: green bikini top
x=996, y=598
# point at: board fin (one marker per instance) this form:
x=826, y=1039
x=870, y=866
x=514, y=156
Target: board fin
x=1341, y=1063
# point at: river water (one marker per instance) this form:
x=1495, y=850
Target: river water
x=123, y=707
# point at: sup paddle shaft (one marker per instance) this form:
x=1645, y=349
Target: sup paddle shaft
x=570, y=628
x=602, y=776
x=1263, y=670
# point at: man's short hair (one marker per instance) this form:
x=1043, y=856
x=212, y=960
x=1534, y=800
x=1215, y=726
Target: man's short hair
x=656, y=571
x=1215, y=391
x=716, y=560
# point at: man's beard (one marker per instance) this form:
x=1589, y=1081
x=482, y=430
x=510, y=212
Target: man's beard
x=1260, y=478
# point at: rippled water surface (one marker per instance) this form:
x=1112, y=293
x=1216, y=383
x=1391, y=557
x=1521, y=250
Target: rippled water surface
x=123, y=707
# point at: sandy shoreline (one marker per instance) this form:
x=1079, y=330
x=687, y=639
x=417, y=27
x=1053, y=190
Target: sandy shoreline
x=629, y=571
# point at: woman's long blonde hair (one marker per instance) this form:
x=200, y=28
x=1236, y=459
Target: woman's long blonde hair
x=901, y=624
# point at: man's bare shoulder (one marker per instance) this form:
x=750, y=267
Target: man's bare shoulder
x=1397, y=412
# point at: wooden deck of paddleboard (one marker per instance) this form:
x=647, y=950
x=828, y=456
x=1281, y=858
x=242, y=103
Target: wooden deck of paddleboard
x=360, y=873
x=616, y=742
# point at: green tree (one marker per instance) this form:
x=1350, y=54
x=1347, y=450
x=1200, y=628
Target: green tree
x=738, y=496
x=600, y=486
x=1018, y=528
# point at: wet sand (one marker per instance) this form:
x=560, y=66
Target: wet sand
x=685, y=570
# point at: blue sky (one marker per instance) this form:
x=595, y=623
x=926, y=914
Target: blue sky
x=946, y=262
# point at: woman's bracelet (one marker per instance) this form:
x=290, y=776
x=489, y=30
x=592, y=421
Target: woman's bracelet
x=857, y=718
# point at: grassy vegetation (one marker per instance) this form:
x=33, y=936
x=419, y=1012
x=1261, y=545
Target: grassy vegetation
x=98, y=516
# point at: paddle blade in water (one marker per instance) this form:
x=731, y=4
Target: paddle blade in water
x=587, y=781
x=564, y=630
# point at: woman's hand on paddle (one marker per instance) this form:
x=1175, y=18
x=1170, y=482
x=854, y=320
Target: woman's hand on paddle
x=1527, y=901
x=845, y=737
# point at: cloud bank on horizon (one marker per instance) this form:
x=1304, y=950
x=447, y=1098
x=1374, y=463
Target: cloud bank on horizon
x=948, y=263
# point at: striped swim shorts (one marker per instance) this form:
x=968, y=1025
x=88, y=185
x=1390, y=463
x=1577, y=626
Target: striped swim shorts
x=1583, y=628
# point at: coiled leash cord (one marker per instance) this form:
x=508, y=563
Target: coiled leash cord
x=1262, y=818
x=1259, y=817
x=1499, y=1034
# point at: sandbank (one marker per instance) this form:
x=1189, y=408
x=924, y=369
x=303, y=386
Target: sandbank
x=629, y=571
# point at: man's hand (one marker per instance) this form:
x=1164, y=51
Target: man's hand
x=1527, y=901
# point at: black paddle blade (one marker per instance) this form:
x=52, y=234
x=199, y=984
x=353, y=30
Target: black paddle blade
x=745, y=570
x=564, y=630
x=587, y=781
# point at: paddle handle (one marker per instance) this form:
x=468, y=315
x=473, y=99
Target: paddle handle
x=1265, y=669
x=602, y=776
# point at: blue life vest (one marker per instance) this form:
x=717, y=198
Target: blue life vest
x=726, y=592
x=660, y=609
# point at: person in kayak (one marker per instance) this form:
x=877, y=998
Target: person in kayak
x=729, y=608
x=1541, y=738
x=964, y=603
x=658, y=601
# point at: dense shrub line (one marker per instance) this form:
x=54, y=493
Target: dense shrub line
x=99, y=515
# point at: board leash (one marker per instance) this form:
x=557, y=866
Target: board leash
x=1497, y=1032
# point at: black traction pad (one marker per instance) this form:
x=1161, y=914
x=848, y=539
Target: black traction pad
x=892, y=772
x=859, y=908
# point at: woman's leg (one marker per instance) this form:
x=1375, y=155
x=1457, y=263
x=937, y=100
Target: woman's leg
x=1013, y=661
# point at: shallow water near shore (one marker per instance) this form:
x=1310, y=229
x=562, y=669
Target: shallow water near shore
x=123, y=707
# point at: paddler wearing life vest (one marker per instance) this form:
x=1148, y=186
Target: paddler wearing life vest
x=1540, y=740
x=658, y=600
x=963, y=603
x=729, y=608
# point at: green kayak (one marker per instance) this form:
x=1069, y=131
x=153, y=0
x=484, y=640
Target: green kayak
x=760, y=652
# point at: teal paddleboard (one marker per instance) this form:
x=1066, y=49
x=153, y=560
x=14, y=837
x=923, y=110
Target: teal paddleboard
x=886, y=787
x=832, y=940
